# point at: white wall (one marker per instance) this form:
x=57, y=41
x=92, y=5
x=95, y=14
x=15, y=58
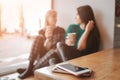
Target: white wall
x=103, y=10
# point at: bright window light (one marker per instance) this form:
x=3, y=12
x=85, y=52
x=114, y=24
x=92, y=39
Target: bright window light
x=33, y=13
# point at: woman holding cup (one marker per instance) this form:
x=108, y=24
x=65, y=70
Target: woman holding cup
x=84, y=35
x=44, y=46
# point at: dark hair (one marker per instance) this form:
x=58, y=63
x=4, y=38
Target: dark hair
x=86, y=14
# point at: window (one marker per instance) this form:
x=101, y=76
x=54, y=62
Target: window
x=19, y=16
x=27, y=14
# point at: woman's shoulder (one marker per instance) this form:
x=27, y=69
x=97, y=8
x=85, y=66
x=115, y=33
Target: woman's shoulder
x=59, y=29
x=71, y=26
x=42, y=31
x=74, y=25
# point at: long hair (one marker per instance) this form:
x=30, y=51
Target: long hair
x=49, y=13
x=86, y=14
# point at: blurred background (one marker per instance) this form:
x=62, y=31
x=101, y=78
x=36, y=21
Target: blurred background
x=20, y=21
x=23, y=16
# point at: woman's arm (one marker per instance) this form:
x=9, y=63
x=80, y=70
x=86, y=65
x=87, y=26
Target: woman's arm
x=58, y=36
x=83, y=41
x=62, y=36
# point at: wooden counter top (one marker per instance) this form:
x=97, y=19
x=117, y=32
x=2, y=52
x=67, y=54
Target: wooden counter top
x=105, y=64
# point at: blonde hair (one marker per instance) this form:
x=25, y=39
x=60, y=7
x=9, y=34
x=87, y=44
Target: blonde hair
x=49, y=13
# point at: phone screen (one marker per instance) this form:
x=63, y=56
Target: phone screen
x=72, y=67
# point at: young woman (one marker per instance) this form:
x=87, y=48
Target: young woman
x=86, y=33
x=44, y=46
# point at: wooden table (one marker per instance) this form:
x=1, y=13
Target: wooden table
x=105, y=64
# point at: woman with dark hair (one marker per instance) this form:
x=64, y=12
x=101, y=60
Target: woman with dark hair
x=82, y=38
x=44, y=46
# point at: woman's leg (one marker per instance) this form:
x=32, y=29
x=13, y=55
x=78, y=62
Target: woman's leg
x=67, y=52
x=21, y=70
x=28, y=72
x=44, y=61
x=37, y=50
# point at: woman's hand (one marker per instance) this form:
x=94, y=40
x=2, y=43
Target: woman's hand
x=68, y=42
x=71, y=39
x=48, y=33
x=83, y=41
x=90, y=26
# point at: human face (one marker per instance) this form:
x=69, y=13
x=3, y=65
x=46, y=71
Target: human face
x=78, y=19
x=52, y=19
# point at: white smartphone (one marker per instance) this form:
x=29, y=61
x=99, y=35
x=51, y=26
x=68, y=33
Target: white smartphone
x=58, y=70
x=73, y=69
